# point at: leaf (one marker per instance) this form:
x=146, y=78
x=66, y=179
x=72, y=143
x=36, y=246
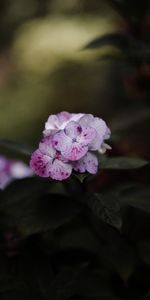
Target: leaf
x=79, y=235
x=133, y=195
x=35, y=269
x=94, y=283
x=105, y=208
x=122, y=163
x=17, y=147
x=147, y=296
x=27, y=206
x=113, y=39
x=64, y=284
x=120, y=256
x=104, y=298
x=144, y=251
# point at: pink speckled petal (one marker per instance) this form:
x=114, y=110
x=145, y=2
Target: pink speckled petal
x=38, y=163
x=88, y=163
x=47, y=148
x=91, y=162
x=73, y=129
x=61, y=141
x=75, y=151
x=59, y=170
x=87, y=135
x=103, y=132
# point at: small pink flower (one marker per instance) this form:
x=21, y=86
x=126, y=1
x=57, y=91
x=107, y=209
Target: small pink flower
x=102, y=131
x=20, y=170
x=68, y=144
x=59, y=121
x=73, y=141
x=88, y=163
x=48, y=162
x=11, y=170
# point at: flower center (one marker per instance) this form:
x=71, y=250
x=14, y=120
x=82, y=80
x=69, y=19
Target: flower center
x=74, y=140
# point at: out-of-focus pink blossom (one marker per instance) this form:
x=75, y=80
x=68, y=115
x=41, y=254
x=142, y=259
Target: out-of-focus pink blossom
x=11, y=170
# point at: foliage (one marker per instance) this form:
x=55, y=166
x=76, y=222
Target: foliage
x=87, y=238
x=61, y=241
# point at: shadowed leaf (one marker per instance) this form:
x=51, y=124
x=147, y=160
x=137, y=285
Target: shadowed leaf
x=17, y=147
x=105, y=208
x=112, y=39
x=122, y=163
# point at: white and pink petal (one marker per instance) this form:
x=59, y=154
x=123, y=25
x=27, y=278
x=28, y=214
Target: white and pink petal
x=38, y=163
x=73, y=129
x=87, y=135
x=75, y=151
x=46, y=148
x=59, y=170
x=61, y=142
x=88, y=163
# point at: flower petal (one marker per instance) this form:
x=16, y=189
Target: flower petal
x=69, y=149
x=76, y=117
x=38, y=163
x=73, y=129
x=88, y=163
x=59, y=170
x=61, y=141
x=75, y=151
x=87, y=135
x=46, y=147
x=103, y=132
x=51, y=123
x=63, y=117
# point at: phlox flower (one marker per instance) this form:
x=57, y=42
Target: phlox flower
x=11, y=170
x=70, y=143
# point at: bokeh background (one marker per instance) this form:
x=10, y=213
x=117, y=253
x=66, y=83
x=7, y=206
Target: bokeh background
x=53, y=57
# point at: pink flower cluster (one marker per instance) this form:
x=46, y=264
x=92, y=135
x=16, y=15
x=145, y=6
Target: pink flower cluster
x=70, y=143
x=11, y=170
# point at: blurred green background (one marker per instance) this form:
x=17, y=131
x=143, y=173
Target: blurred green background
x=45, y=68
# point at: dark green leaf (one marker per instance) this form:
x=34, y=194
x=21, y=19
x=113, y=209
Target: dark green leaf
x=118, y=163
x=79, y=235
x=94, y=283
x=144, y=251
x=27, y=206
x=17, y=147
x=120, y=256
x=64, y=284
x=134, y=195
x=105, y=208
x=147, y=296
